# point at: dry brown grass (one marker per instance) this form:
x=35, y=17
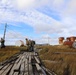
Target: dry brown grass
x=9, y=51
x=61, y=60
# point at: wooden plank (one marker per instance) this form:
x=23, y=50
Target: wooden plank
x=12, y=70
x=40, y=70
x=35, y=54
x=16, y=73
x=3, y=69
x=15, y=67
x=30, y=66
x=44, y=73
x=25, y=74
x=17, y=60
x=22, y=69
x=26, y=66
x=38, y=67
x=37, y=59
x=49, y=72
x=7, y=70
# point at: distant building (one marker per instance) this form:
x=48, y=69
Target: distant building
x=61, y=39
x=70, y=41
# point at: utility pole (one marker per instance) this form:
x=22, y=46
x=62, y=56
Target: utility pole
x=5, y=31
x=3, y=39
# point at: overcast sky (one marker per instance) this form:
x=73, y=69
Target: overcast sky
x=41, y=20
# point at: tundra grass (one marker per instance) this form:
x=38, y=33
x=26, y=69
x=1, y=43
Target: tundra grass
x=60, y=63
x=9, y=51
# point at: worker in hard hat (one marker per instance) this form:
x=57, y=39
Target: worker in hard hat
x=2, y=43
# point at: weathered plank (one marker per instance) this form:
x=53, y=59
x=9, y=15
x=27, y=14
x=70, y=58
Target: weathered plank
x=16, y=73
x=22, y=69
x=15, y=67
x=30, y=66
x=1, y=67
x=7, y=70
x=4, y=68
x=26, y=66
x=37, y=59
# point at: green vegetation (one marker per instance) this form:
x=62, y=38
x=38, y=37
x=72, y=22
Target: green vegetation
x=9, y=51
x=61, y=63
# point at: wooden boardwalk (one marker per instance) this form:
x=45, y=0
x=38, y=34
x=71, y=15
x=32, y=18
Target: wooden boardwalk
x=26, y=63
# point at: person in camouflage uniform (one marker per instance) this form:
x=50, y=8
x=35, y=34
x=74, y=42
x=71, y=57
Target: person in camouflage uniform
x=2, y=43
x=27, y=44
x=32, y=45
